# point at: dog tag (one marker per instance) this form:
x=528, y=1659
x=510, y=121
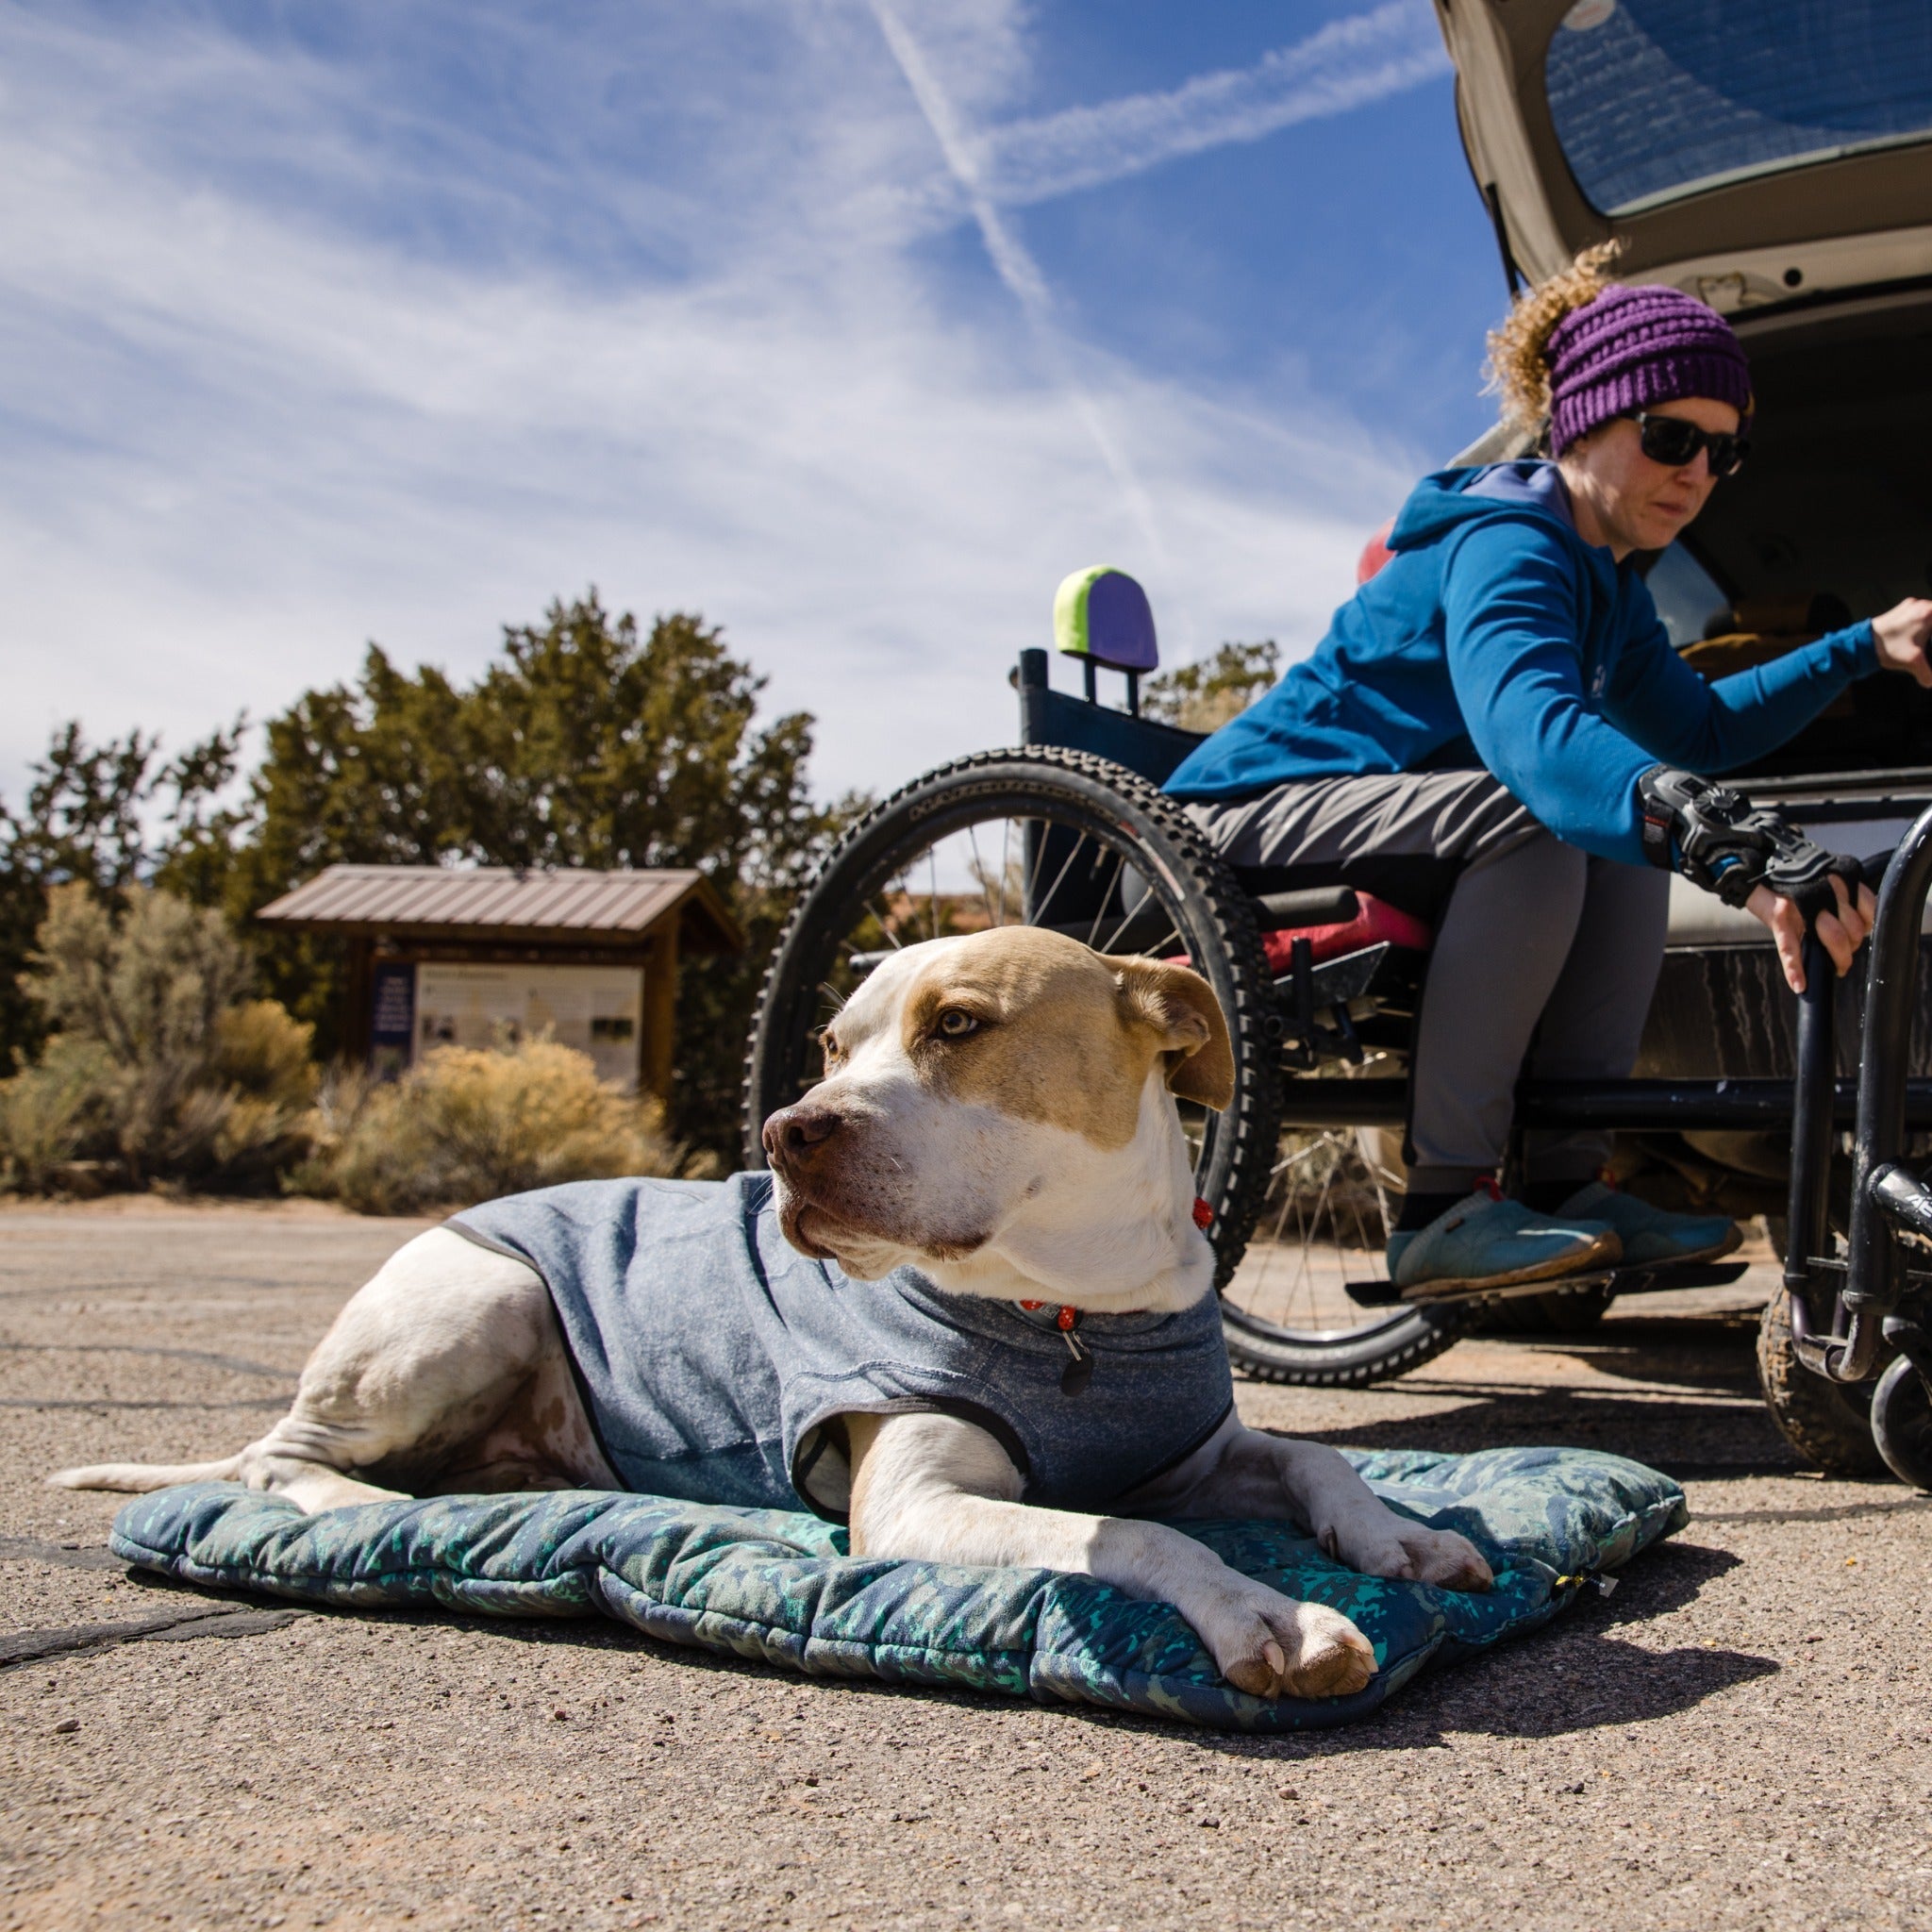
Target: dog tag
x=1078, y=1373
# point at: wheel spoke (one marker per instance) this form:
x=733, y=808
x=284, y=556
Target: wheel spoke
x=1323, y=1214
x=1153, y=949
x=1204, y=1151
x=1120, y=865
x=1040, y=910
x=979, y=872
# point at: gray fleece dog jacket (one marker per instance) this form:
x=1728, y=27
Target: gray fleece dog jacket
x=710, y=1353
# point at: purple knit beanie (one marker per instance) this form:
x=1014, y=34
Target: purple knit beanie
x=1631, y=347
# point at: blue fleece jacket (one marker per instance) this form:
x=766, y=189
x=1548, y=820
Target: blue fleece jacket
x=1495, y=636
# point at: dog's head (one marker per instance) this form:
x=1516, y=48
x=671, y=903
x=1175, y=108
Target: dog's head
x=1001, y=1107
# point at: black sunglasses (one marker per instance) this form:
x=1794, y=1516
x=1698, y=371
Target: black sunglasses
x=1673, y=441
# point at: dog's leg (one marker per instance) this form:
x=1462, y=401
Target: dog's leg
x=939, y=1489
x=1258, y=1474
x=427, y=1356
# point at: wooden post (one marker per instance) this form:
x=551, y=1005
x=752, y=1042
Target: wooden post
x=659, y=1044
x=359, y=990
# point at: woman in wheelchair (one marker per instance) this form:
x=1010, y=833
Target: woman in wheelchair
x=1497, y=733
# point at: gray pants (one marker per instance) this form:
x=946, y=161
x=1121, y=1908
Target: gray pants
x=1545, y=961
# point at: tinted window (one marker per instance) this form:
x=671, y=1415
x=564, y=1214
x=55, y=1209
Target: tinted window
x=1653, y=99
x=1686, y=596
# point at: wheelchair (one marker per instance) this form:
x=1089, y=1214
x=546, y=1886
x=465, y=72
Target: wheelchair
x=1321, y=981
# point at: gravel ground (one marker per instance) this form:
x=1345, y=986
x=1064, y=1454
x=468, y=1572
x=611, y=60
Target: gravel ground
x=1740, y=1737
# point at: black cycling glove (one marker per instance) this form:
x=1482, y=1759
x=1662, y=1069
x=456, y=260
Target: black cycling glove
x=1720, y=840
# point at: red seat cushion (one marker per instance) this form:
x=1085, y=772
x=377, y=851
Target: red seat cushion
x=1377, y=923
x=1375, y=553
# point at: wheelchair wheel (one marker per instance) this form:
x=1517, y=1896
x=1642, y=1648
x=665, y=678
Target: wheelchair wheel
x=1828, y=1424
x=1047, y=835
x=1902, y=1424
x=1288, y=1311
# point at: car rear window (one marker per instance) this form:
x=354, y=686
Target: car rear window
x=1657, y=99
x=1686, y=597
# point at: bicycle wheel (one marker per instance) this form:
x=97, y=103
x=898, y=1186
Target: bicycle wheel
x=1046, y=836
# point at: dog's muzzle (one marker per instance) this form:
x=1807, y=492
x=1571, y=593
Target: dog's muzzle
x=801, y=1142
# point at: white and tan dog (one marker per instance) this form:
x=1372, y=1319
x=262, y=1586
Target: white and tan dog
x=998, y=1113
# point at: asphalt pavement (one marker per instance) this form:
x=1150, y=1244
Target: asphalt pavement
x=1740, y=1736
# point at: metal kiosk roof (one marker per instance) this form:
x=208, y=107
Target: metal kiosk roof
x=426, y=903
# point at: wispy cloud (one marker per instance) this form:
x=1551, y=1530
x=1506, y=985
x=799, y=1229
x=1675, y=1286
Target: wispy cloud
x=1348, y=64
x=336, y=376
x=1015, y=264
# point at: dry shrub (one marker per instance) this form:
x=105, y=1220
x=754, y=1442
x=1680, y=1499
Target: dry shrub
x=1204, y=697
x=49, y=1113
x=158, y=1068
x=463, y=1126
x=1329, y=1189
x=266, y=1082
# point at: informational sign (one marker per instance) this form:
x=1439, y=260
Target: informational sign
x=391, y=1019
x=596, y=1010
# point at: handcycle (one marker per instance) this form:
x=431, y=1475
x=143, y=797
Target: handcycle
x=1321, y=980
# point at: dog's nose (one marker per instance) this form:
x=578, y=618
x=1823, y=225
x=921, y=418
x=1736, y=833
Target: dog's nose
x=795, y=1131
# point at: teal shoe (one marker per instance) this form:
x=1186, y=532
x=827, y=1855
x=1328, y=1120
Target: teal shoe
x=1489, y=1242
x=1653, y=1237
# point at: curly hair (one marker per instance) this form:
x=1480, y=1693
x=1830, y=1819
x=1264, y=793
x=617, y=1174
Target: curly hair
x=1517, y=369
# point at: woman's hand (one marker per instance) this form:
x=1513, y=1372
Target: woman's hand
x=1841, y=933
x=1902, y=635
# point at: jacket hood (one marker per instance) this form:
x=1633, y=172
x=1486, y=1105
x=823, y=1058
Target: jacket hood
x=1439, y=502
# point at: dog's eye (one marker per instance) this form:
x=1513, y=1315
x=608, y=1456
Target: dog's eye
x=954, y=1024
x=832, y=1049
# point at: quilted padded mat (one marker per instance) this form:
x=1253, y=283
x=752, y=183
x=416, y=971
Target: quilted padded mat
x=778, y=1589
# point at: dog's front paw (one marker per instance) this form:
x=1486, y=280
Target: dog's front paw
x=1447, y=1560
x=1407, y=1553
x=1269, y=1646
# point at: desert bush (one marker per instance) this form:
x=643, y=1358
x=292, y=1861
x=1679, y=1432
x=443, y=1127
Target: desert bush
x=464, y=1126
x=49, y=1113
x=1204, y=697
x=157, y=1068
x=107, y=815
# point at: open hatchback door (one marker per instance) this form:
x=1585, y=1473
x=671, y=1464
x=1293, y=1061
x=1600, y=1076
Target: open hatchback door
x=1750, y=151
x=1772, y=157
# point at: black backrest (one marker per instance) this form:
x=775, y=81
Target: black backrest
x=1051, y=717
x=1087, y=884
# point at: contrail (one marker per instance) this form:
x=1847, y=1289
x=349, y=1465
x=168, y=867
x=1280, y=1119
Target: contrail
x=1349, y=63
x=1014, y=265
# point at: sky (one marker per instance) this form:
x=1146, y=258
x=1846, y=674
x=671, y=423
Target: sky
x=851, y=325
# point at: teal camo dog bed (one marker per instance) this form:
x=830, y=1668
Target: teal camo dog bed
x=780, y=1589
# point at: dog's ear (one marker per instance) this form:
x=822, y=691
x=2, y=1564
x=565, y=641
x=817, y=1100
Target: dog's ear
x=1181, y=1008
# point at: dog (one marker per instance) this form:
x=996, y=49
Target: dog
x=970, y=1307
